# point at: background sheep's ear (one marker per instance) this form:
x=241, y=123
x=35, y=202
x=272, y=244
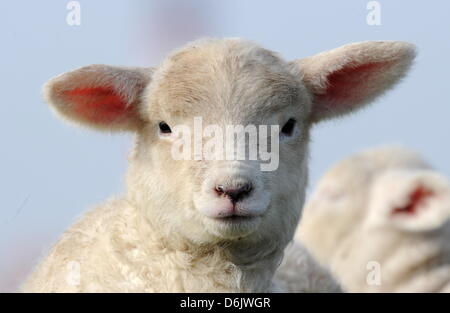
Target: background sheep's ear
x=100, y=96
x=347, y=78
x=411, y=200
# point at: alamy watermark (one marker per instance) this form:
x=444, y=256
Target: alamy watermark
x=373, y=278
x=374, y=16
x=73, y=276
x=73, y=17
x=231, y=142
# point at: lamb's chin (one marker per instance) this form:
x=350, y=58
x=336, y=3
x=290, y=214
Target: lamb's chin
x=232, y=227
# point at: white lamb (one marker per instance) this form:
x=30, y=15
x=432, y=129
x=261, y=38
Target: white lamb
x=380, y=221
x=204, y=225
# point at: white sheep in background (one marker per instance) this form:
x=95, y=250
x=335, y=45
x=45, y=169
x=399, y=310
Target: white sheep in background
x=380, y=221
x=204, y=226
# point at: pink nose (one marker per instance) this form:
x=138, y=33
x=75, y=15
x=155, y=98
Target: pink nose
x=235, y=194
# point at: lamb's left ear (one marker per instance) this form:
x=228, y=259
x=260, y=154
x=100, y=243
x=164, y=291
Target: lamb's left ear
x=100, y=96
x=347, y=78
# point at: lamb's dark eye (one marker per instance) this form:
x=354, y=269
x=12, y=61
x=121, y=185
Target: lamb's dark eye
x=164, y=128
x=288, y=128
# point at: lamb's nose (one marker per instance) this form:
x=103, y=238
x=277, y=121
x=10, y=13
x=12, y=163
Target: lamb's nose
x=235, y=194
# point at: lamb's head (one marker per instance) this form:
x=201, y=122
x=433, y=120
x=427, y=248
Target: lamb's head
x=201, y=190
x=385, y=206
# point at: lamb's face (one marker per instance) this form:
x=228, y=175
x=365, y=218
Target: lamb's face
x=217, y=88
x=204, y=90
x=392, y=210
x=343, y=195
x=408, y=226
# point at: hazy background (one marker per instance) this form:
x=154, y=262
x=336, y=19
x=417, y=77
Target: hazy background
x=51, y=171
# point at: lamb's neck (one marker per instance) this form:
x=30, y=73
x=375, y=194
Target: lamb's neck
x=245, y=265
x=257, y=265
x=235, y=266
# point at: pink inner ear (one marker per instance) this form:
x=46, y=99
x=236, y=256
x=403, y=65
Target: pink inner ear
x=416, y=199
x=99, y=105
x=352, y=84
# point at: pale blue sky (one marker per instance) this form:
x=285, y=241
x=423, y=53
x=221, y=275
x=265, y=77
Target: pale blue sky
x=53, y=171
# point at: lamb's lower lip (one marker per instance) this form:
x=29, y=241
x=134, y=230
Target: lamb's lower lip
x=235, y=219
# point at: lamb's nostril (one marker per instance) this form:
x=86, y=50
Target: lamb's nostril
x=247, y=188
x=235, y=194
x=220, y=189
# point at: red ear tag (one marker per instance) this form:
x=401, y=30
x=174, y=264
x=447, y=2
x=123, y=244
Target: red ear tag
x=416, y=199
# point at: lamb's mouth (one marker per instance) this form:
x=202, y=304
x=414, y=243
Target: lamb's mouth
x=236, y=219
x=234, y=226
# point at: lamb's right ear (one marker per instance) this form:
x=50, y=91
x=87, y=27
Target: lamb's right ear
x=100, y=96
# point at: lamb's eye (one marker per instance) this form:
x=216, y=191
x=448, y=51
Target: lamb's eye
x=288, y=128
x=164, y=128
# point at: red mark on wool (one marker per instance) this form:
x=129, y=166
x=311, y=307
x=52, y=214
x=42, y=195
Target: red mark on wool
x=416, y=199
x=98, y=104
